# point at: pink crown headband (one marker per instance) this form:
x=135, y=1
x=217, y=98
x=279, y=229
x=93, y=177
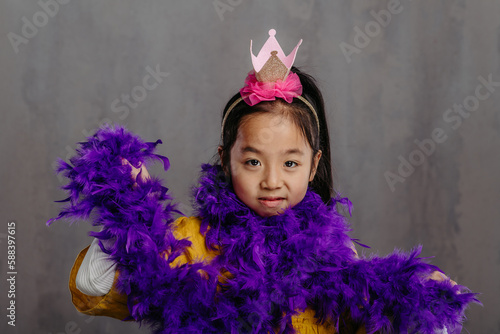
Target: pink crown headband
x=271, y=78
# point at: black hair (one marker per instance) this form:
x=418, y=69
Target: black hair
x=302, y=116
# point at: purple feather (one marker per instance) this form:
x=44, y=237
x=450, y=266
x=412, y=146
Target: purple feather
x=279, y=265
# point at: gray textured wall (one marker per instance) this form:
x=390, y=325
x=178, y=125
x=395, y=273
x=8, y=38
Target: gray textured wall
x=397, y=85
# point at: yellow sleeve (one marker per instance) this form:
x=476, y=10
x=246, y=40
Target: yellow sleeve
x=189, y=228
x=114, y=304
x=307, y=323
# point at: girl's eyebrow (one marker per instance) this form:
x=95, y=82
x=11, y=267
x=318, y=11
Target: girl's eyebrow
x=256, y=151
x=294, y=151
x=250, y=149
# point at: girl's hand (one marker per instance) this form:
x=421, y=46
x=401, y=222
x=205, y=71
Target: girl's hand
x=439, y=276
x=142, y=172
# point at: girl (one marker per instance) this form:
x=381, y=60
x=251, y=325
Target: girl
x=266, y=252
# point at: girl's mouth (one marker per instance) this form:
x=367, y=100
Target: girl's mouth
x=271, y=202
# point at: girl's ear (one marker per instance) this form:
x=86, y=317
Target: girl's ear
x=315, y=164
x=221, y=156
x=219, y=150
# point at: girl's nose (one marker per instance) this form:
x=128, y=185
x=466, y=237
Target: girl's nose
x=271, y=178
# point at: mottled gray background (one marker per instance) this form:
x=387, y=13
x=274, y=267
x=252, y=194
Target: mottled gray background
x=59, y=84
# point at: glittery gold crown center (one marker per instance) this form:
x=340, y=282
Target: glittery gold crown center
x=273, y=69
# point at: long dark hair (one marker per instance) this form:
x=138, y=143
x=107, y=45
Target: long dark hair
x=302, y=116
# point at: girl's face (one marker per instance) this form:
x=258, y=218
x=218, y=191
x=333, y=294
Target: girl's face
x=271, y=163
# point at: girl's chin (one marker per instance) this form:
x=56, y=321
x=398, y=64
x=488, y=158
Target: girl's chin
x=268, y=212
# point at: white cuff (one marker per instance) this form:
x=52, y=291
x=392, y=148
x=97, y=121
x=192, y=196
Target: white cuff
x=97, y=272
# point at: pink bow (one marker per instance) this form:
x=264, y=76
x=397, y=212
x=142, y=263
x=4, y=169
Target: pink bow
x=256, y=91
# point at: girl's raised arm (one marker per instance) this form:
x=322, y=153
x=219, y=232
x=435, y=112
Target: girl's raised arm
x=97, y=272
x=136, y=216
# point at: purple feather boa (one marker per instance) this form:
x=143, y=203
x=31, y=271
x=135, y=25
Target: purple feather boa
x=279, y=265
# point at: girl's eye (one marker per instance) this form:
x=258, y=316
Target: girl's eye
x=253, y=162
x=291, y=164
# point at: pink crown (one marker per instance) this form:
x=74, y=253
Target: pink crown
x=270, y=78
x=271, y=63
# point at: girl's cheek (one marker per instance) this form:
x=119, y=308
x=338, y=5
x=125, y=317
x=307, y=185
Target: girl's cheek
x=241, y=174
x=235, y=170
